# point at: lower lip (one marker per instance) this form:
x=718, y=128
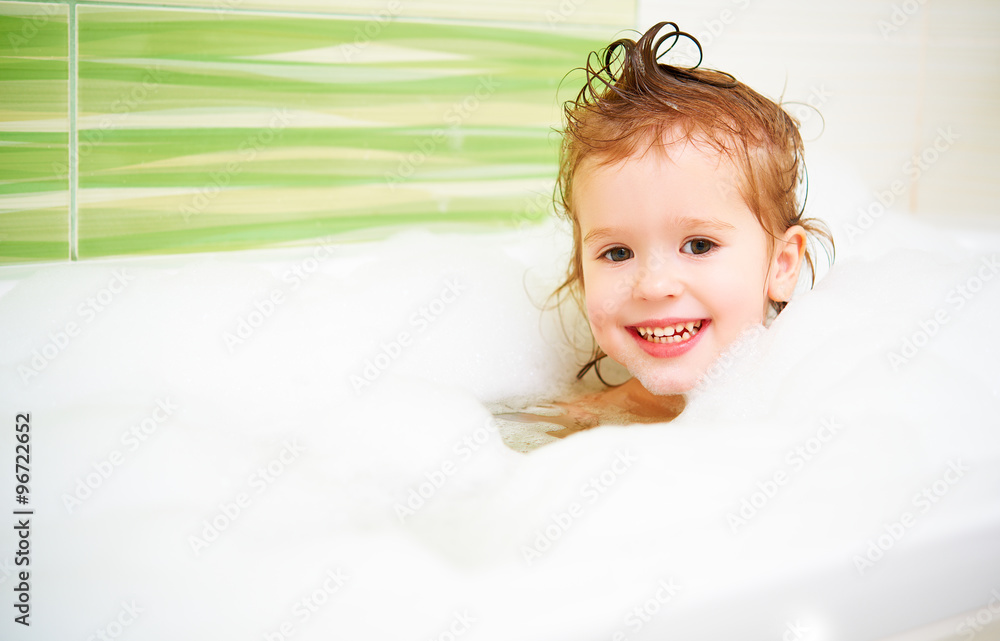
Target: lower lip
x=669, y=350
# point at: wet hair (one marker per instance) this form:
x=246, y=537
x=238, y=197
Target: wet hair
x=631, y=103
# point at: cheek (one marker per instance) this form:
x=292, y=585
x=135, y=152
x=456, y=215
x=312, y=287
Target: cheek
x=604, y=295
x=598, y=310
x=610, y=282
x=601, y=314
x=741, y=300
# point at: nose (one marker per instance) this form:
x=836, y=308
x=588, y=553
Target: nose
x=657, y=278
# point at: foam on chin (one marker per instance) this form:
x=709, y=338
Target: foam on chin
x=661, y=381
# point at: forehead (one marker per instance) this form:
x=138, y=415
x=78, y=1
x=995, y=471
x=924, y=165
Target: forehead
x=686, y=177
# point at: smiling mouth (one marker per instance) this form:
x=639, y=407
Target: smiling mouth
x=676, y=333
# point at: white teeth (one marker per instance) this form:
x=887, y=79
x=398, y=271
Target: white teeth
x=672, y=334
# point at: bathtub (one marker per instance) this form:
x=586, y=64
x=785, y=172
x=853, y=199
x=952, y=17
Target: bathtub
x=297, y=443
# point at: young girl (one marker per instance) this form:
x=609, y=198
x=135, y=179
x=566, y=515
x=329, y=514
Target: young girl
x=682, y=187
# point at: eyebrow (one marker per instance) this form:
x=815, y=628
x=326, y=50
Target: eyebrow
x=682, y=222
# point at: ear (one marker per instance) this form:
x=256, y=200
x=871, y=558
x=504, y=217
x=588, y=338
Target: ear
x=785, y=264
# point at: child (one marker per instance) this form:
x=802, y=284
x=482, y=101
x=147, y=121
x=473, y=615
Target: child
x=681, y=186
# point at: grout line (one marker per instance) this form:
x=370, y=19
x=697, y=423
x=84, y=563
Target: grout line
x=74, y=166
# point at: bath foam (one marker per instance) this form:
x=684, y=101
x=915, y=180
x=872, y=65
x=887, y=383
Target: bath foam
x=764, y=504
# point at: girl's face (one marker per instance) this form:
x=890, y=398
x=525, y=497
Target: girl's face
x=675, y=266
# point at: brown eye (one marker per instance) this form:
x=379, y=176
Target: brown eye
x=618, y=254
x=699, y=246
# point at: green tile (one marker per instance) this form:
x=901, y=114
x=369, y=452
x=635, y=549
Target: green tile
x=34, y=132
x=198, y=133
x=552, y=13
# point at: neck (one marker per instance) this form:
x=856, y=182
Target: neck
x=646, y=406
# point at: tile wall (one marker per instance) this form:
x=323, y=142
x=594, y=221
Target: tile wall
x=214, y=125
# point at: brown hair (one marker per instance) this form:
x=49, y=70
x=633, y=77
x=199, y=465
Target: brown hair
x=631, y=101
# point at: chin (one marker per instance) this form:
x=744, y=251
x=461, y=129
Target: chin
x=665, y=385
x=658, y=378
x=661, y=381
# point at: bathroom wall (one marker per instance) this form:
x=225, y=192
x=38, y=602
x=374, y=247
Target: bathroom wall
x=909, y=90
x=200, y=125
x=197, y=125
